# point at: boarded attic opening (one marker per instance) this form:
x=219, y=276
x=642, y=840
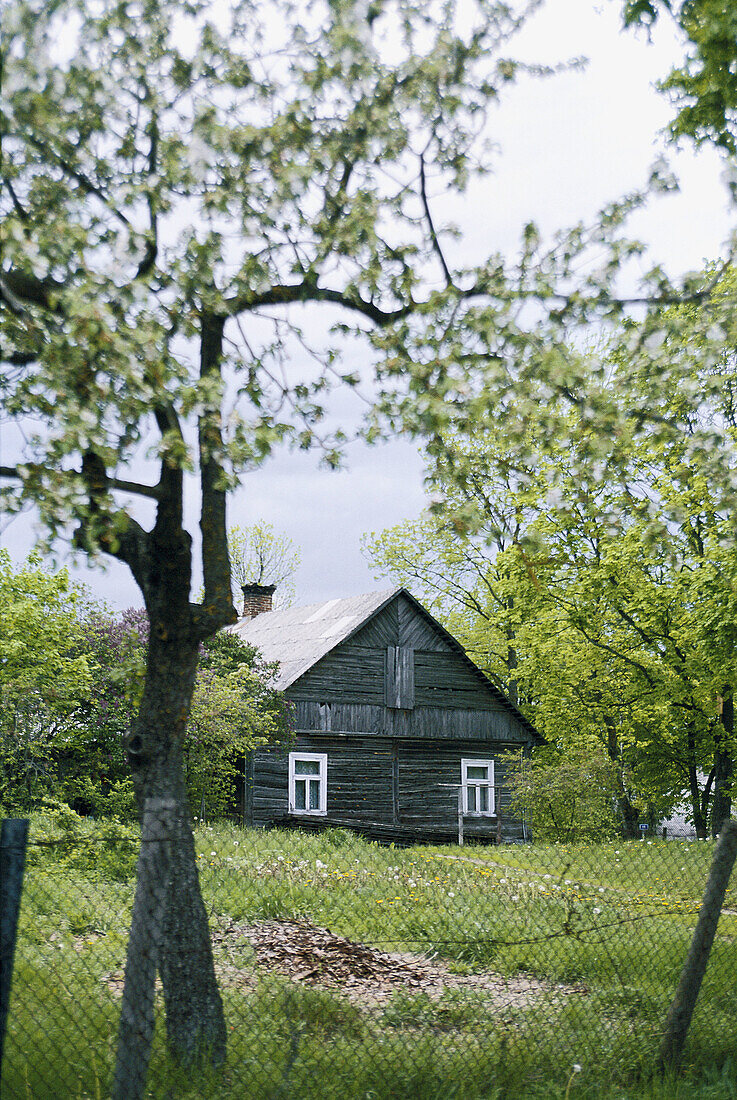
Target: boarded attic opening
x=399, y=677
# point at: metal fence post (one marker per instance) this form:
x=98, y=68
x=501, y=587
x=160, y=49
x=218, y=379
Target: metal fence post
x=13, y=840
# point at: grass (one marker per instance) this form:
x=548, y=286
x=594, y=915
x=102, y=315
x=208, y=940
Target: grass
x=605, y=927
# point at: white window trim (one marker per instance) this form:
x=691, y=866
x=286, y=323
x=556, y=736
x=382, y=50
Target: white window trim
x=322, y=759
x=467, y=762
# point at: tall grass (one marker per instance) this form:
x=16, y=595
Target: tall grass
x=604, y=928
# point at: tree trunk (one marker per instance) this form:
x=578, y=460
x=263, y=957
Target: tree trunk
x=630, y=814
x=512, y=661
x=721, y=808
x=697, y=805
x=697, y=810
x=138, y=1010
x=195, y=1024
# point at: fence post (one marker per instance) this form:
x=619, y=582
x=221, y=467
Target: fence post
x=460, y=817
x=498, y=808
x=684, y=1002
x=13, y=840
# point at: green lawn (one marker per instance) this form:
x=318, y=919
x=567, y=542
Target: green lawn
x=599, y=934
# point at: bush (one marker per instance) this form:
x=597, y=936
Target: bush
x=99, y=850
x=567, y=801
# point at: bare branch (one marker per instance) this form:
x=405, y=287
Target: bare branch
x=135, y=487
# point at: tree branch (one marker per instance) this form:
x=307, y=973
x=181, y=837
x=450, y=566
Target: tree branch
x=19, y=208
x=431, y=225
x=308, y=291
x=134, y=487
x=217, y=607
x=18, y=289
x=86, y=184
x=127, y=540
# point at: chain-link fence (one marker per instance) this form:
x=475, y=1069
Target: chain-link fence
x=347, y=969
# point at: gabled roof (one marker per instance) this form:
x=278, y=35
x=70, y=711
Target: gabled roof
x=298, y=637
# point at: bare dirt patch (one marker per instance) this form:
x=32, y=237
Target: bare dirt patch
x=312, y=956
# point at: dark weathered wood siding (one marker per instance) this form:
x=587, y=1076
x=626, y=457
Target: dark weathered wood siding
x=427, y=723
x=399, y=677
x=386, y=789
x=356, y=674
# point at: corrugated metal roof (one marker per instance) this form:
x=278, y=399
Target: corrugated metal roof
x=298, y=637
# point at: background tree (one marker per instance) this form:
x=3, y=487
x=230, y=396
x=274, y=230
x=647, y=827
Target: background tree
x=43, y=675
x=259, y=556
x=234, y=708
x=597, y=595
x=568, y=799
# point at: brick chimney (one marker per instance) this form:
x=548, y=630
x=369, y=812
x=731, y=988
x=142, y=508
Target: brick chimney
x=256, y=599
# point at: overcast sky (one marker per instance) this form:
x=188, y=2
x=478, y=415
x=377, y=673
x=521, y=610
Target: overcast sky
x=567, y=145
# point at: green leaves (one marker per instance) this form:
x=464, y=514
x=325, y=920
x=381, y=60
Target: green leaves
x=155, y=175
x=40, y=631
x=705, y=87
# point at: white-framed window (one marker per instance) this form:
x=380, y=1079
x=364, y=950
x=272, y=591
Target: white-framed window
x=308, y=783
x=477, y=780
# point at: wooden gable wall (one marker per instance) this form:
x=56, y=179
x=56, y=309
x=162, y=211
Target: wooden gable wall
x=346, y=691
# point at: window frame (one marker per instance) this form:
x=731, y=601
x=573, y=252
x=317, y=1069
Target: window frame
x=322, y=777
x=467, y=762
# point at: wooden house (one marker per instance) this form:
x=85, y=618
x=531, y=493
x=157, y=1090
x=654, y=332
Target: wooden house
x=396, y=730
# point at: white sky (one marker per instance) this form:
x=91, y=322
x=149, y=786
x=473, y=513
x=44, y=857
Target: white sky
x=568, y=145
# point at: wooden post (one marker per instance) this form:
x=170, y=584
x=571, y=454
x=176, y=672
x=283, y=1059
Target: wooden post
x=136, y=1029
x=13, y=840
x=498, y=808
x=684, y=1002
x=460, y=816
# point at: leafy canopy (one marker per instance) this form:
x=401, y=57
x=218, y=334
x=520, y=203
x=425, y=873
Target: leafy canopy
x=171, y=167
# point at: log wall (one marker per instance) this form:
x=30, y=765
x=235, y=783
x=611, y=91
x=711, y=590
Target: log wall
x=383, y=788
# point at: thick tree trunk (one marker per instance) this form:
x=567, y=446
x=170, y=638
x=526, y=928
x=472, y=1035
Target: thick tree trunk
x=194, y=1013
x=721, y=808
x=630, y=817
x=138, y=1010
